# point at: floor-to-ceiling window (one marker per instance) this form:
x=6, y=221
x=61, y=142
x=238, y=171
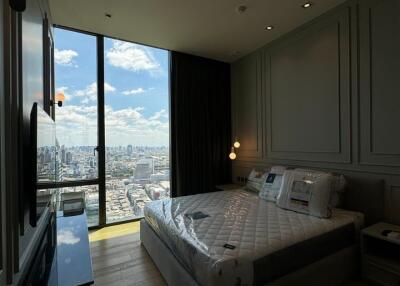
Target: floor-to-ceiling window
x=76, y=77
x=136, y=127
x=122, y=130
x=75, y=74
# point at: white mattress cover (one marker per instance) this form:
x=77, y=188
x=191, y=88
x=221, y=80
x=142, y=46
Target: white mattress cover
x=255, y=227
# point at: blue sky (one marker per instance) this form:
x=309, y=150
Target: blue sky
x=136, y=86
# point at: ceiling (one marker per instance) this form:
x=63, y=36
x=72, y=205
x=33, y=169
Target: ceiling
x=208, y=28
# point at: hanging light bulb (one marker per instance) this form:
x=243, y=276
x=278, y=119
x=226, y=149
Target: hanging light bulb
x=236, y=144
x=232, y=155
x=60, y=97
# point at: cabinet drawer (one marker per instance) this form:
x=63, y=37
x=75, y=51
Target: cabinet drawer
x=380, y=275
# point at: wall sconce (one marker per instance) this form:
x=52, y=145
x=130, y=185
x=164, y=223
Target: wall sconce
x=59, y=99
x=232, y=155
x=236, y=145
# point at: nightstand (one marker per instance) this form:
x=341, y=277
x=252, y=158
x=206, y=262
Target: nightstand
x=380, y=255
x=228, y=187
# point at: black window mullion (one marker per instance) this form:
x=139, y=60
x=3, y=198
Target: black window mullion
x=101, y=130
x=68, y=184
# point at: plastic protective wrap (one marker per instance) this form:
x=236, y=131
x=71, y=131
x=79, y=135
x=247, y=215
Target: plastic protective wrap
x=272, y=184
x=217, y=236
x=184, y=227
x=255, y=180
x=307, y=192
x=339, y=184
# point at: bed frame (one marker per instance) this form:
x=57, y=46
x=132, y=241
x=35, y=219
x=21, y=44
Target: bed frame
x=335, y=269
x=332, y=270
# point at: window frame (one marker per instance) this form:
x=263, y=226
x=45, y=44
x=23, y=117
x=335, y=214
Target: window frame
x=101, y=148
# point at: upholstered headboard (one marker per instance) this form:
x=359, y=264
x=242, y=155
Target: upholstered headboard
x=367, y=196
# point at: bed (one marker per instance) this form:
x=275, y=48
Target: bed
x=235, y=238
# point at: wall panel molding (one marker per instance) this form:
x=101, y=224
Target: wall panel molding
x=305, y=120
x=379, y=85
x=337, y=167
x=393, y=201
x=247, y=106
x=364, y=140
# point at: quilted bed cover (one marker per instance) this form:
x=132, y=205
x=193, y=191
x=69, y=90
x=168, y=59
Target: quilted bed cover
x=217, y=236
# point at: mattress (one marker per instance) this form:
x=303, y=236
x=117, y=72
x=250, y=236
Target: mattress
x=235, y=238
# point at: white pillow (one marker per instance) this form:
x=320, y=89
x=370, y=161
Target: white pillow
x=272, y=184
x=337, y=197
x=339, y=188
x=306, y=192
x=255, y=180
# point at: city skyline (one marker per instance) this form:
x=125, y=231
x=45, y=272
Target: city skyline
x=134, y=176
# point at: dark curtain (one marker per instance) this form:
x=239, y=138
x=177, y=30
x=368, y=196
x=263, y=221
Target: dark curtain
x=200, y=124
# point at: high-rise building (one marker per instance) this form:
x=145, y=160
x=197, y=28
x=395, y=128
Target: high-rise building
x=92, y=163
x=59, y=172
x=158, y=177
x=63, y=154
x=144, y=169
x=129, y=150
x=68, y=158
x=47, y=155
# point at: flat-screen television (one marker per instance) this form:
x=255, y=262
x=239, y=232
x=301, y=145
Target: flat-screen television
x=43, y=162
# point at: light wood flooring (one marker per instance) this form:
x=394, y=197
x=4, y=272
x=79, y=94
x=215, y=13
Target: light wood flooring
x=119, y=258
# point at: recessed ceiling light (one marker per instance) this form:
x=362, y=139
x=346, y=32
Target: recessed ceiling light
x=241, y=9
x=269, y=28
x=307, y=5
x=235, y=54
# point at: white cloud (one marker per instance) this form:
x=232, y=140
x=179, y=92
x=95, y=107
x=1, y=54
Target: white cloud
x=131, y=57
x=90, y=92
x=77, y=125
x=133, y=91
x=159, y=114
x=108, y=87
x=67, y=237
x=64, y=57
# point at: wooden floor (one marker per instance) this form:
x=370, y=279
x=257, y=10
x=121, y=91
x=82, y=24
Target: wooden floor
x=119, y=258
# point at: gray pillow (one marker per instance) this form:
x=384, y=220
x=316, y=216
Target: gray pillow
x=255, y=180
